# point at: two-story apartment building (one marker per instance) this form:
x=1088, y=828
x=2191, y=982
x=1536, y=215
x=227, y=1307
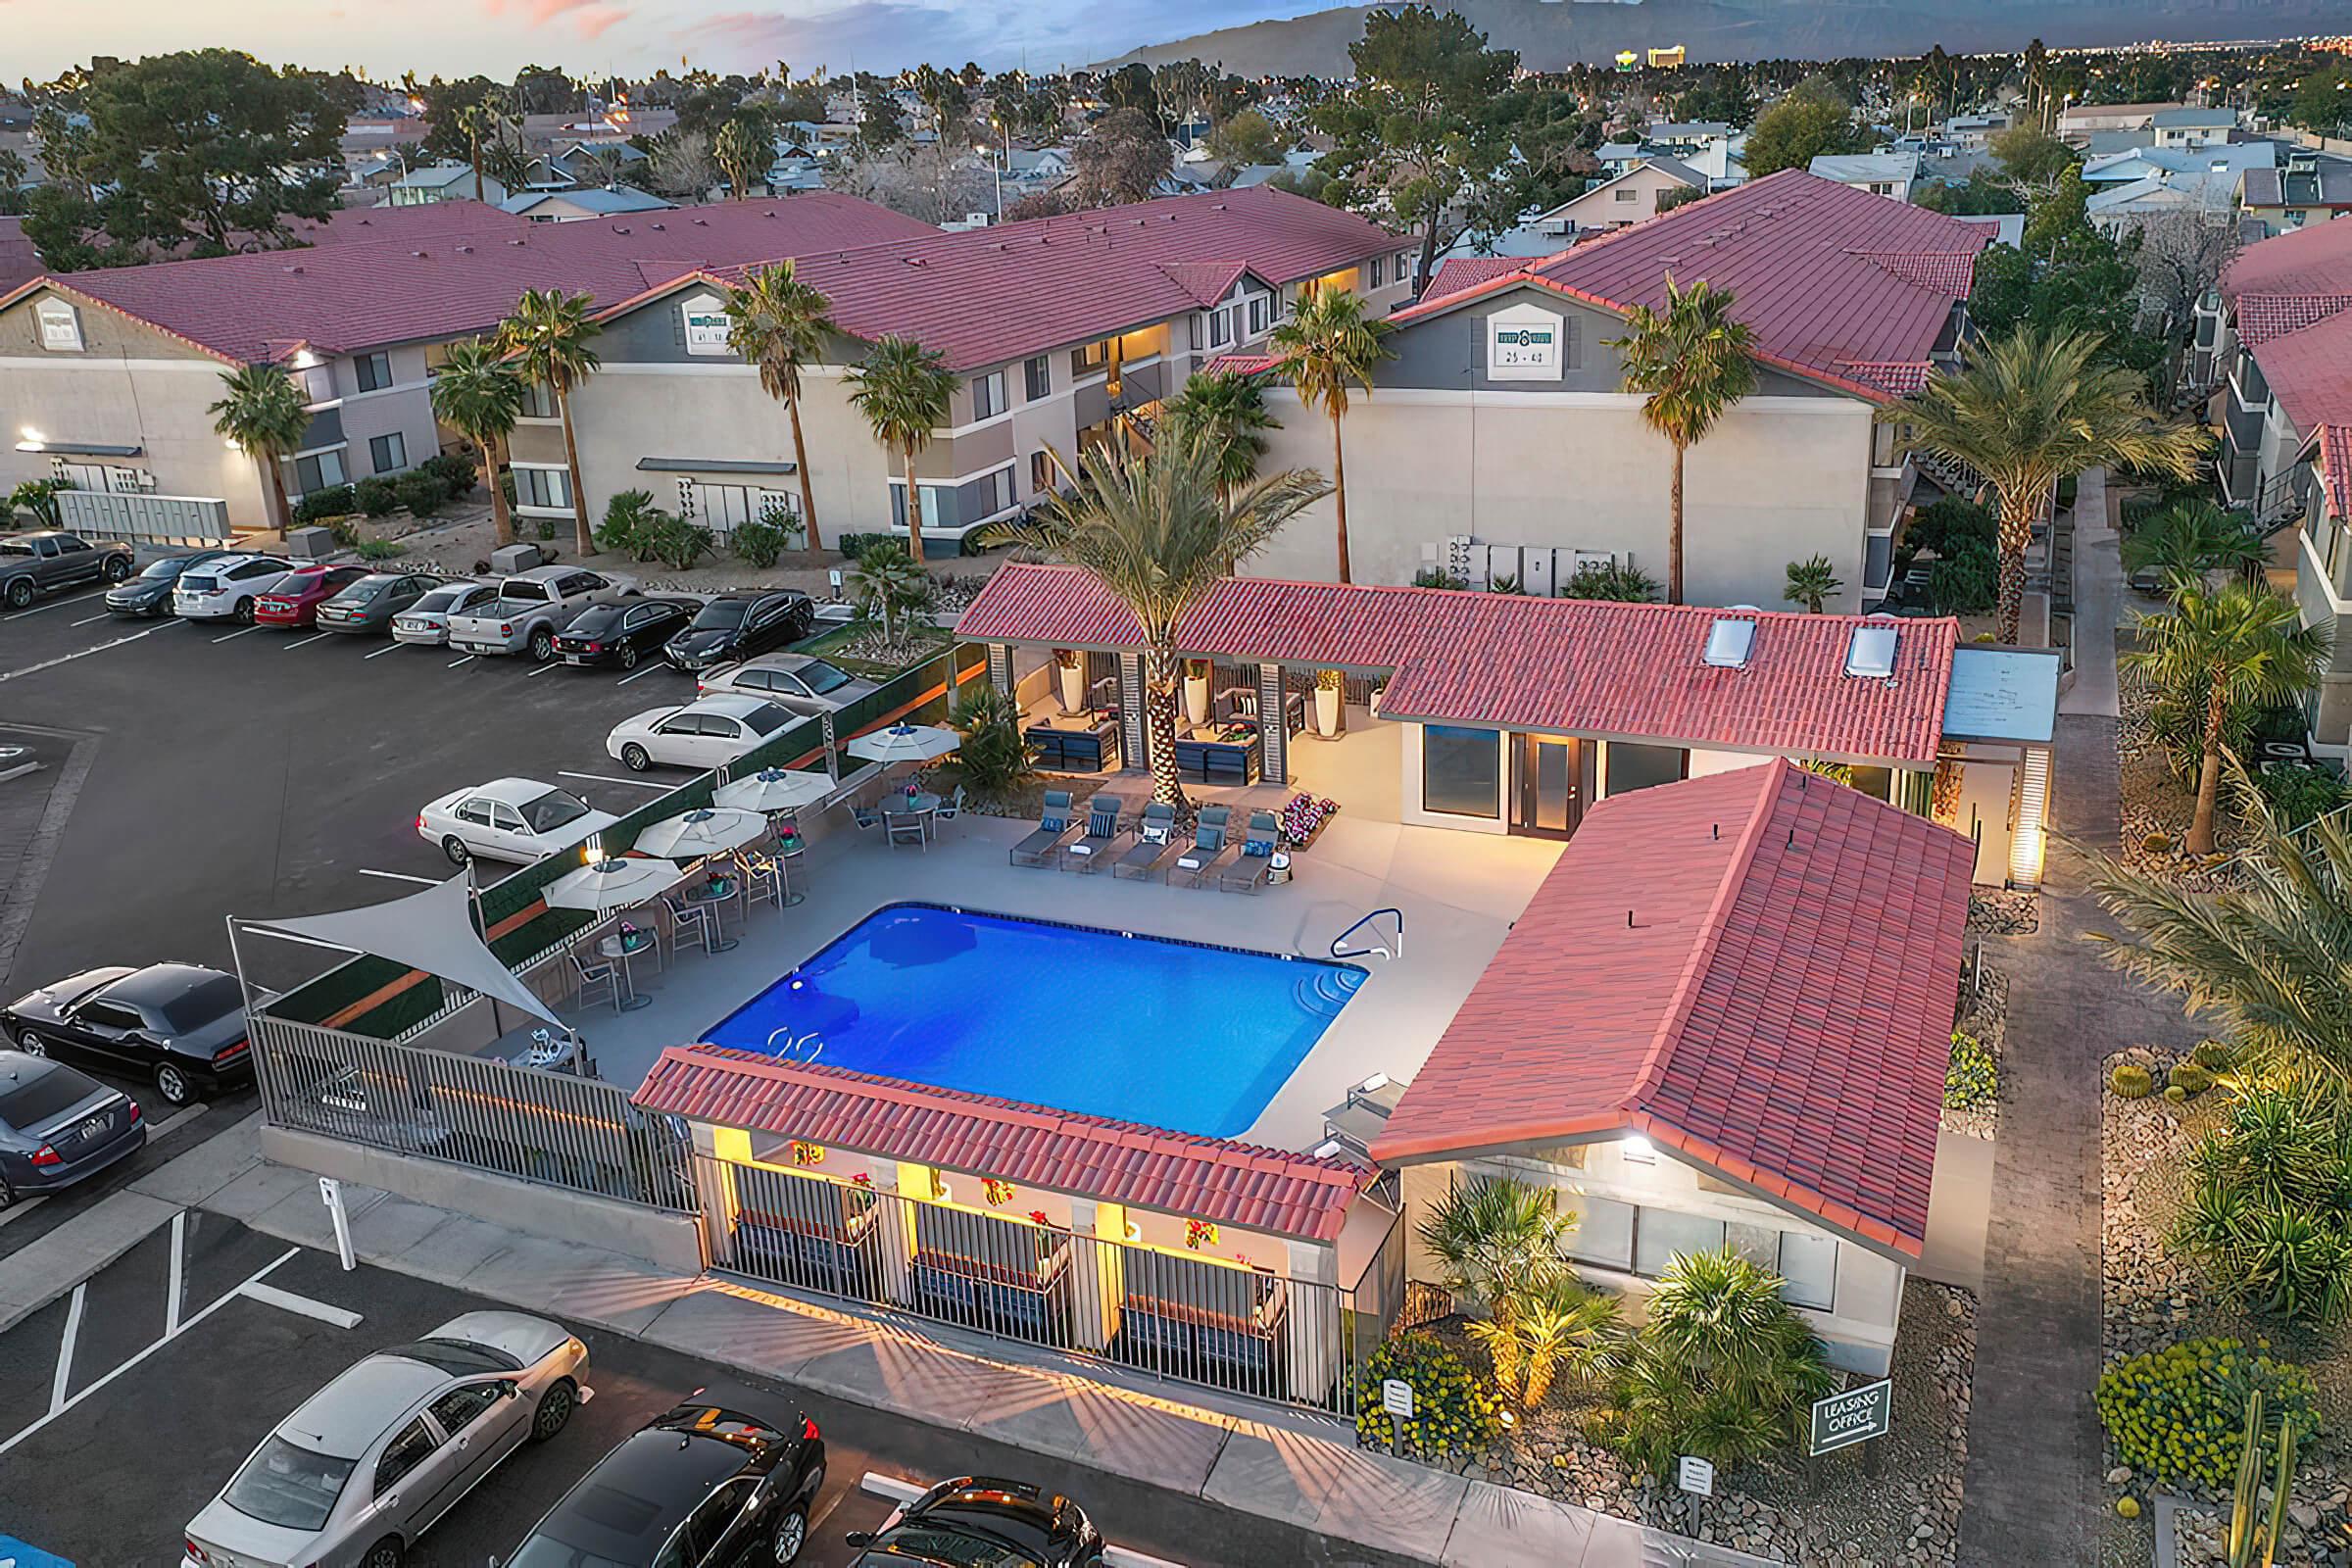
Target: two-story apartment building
x=1622, y=200
x=2309, y=187
x=1500, y=440
x=108, y=375
x=1063, y=332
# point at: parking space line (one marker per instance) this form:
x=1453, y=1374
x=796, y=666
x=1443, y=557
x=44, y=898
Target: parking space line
x=640, y=675
x=386, y=649
x=287, y=1301
x=172, y=1288
x=68, y=659
x=306, y=641
x=91, y=621
x=397, y=876
x=51, y=605
x=606, y=778
x=63, y=1376
x=543, y=669
x=455, y=663
x=235, y=635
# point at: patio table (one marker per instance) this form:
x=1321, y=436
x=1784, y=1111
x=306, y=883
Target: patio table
x=614, y=947
x=702, y=896
x=923, y=807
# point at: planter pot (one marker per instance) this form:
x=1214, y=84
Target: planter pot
x=1073, y=687
x=1195, y=699
x=1327, y=711
x=1378, y=692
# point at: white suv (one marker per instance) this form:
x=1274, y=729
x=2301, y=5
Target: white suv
x=226, y=589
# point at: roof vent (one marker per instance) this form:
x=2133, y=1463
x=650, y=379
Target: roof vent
x=701, y=222
x=514, y=242
x=657, y=229
x=619, y=229
x=464, y=250
x=1730, y=640
x=418, y=254
x=1870, y=653
x=296, y=269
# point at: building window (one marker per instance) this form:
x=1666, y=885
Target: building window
x=938, y=505
x=1041, y=473
x=1038, y=374
x=1603, y=1234
x=1378, y=266
x=990, y=494
x=1462, y=771
x=1404, y=266
x=987, y=395
x=1661, y=1234
x=1808, y=1269
x=321, y=471
x=1220, y=329
x=542, y=487
x=1093, y=356
x=1637, y=768
x=374, y=371
x=1625, y=193
x=1257, y=314
x=386, y=453
x=538, y=401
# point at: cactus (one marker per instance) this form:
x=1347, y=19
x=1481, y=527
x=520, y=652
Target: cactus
x=2253, y=1545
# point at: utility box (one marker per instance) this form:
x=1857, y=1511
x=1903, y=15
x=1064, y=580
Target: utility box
x=310, y=543
x=508, y=559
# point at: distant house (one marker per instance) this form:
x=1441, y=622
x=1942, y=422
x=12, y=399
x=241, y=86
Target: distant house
x=591, y=201
x=441, y=183
x=1707, y=145
x=2312, y=188
x=1879, y=174
x=1621, y=202
x=2079, y=123
x=2149, y=162
x=2192, y=128
x=1616, y=156
x=1974, y=132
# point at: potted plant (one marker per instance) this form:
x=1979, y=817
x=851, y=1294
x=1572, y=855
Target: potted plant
x=1070, y=669
x=1329, y=690
x=1196, y=690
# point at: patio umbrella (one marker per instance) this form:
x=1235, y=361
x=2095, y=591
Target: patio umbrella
x=905, y=742
x=691, y=835
x=774, y=789
x=609, y=885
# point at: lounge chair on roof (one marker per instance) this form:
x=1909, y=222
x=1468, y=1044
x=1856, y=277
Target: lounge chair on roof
x=1205, y=859
x=1154, y=841
x=1249, y=873
x=1052, y=826
x=1091, y=848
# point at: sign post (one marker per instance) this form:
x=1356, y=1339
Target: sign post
x=1397, y=1399
x=1843, y=1420
x=1695, y=1476
x=330, y=1193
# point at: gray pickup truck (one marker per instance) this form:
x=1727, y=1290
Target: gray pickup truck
x=42, y=562
x=533, y=606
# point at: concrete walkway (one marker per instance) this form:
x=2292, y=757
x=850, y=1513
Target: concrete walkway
x=2098, y=599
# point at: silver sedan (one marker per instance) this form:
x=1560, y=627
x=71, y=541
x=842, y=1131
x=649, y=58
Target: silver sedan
x=364, y=1467
x=426, y=622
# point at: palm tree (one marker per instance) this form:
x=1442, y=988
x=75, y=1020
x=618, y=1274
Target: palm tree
x=740, y=155
x=1689, y=362
x=264, y=414
x=903, y=390
x=1230, y=411
x=2233, y=647
x=2029, y=411
x=1328, y=343
x=2191, y=538
x=1154, y=532
x=1811, y=582
x=548, y=335
x=780, y=323
x=476, y=393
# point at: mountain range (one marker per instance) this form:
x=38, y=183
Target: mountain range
x=1552, y=34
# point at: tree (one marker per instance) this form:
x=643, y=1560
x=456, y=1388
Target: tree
x=38, y=497
x=2323, y=100
x=13, y=169
x=1153, y=532
x=879, y=123
x=199, y=153
x=1130, y=88
x=779, y=324
x=905, y=390
x=1605, y=580
x=742, y=153
x=888, y=585
x=2029, y=409
x=1121, y=158
x=264, y=414
x=2031, y=157
x=2181, y=255
x=2057, y=215
x=1249, y=137
x=1811, y=582
x=478, y=121
x=549, y=334
x=1413, y=138
x=447, y=135
x=1797, y=129
x=2191, y=538
x=1328, y=344
x=1228, y=412
x=2233, y=647
x=679, y=165
x=1688, y=363
x=477, y=393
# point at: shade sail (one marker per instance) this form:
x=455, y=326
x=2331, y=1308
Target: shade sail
x=432, y=931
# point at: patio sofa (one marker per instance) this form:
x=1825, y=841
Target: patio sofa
x=1060, y=748
x=1224, y=1323
x=1214, y=761
x=1018, y=1285
x=790, y=1250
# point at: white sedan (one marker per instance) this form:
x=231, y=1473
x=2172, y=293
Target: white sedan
x=707, y=733
x=517, y=819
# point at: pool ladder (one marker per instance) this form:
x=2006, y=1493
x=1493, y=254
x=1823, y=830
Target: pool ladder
x=791, y=1049
x=1374, y=948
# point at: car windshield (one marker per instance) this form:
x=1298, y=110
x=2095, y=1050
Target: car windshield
x=553, y=810
x=821, y=678
x=40, y=1094
x=524, y=593
x=767, y=718
x=545, y=1551
x=168, y=567
x=211, y=997
x=444, y=598
x=457, y=1357
x=720, y=614
x=924, y=1542
x=286, y=1485
x=367, y=588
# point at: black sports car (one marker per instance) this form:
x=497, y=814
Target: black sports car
x=986, y=1524
x=738, y=625
x=623, y=631
x=178, y=1026
x=150, y=592
x=703, y=1485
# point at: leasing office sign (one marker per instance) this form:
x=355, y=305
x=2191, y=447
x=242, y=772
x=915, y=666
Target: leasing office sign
x=706, y=325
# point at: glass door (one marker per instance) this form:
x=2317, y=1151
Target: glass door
x=1546, y=794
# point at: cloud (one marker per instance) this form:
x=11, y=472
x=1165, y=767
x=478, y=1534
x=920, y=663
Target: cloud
x=543, y=11
x=593, y=21
x=883, y=34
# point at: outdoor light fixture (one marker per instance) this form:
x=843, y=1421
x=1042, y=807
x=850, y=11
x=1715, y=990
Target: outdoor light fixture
x=32, y=436
x=1135, y=1232
x=1638, y=1148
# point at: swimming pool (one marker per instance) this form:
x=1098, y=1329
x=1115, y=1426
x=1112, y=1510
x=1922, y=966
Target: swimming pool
x=1175, y=1034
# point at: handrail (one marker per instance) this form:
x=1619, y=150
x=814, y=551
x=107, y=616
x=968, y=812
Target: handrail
x=1375, y=950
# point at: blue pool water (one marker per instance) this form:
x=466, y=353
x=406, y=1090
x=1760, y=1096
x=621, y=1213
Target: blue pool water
x=1174, y=1034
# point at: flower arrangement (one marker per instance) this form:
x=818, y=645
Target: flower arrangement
x=1451, y=1407
x=808, y=1153
x=630, y=937
x=2178, y=1413
x=1200, y=1233
x=862, y=1179
x=1303, y=817
x=997, y=1193
x=1037, y=1217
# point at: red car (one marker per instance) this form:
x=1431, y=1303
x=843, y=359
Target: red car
x=296, y=599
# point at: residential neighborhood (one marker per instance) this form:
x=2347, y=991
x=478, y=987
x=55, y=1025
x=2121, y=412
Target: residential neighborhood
x=1499, y=809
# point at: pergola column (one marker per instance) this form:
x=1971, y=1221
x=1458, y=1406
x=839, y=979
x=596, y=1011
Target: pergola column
x=1000, y=667
x=1273, y=725
x=1131, y=711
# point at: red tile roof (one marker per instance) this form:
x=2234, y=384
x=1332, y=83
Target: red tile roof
x=2315, y=260
x=1779, y=1008
x=2336, y=467
x=1177, y=1173
x=20, y=263
x=1240, y=365
x=2309, y=372
x=2263, y=316
x=1459, y=273
x=1825, y=276
x=432, y=278
x=1567, y=664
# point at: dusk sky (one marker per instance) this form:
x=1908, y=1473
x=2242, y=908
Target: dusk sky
x=39, y=39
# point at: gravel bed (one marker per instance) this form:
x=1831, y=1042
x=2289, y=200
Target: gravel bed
x=1987, y=1018
x=1996, y=914
x=2157, y=807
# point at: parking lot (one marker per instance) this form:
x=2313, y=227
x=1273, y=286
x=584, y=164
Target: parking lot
x=126, y=1406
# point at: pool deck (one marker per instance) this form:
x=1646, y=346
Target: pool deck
x=1459, y=892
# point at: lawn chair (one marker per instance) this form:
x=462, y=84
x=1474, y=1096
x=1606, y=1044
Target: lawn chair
x=1204, y=859
x=1249, y=873
x=1052, y=826
x=950, y=809
x=866, y=817
x=1154, y=841
x=1091, y=850
x=586, y=977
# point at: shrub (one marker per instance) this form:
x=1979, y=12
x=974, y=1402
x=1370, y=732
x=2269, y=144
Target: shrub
x=2214, y=1055
x=630, y=521
x=854, y=546
x=2268, y=1208
x=759, y=543
x=335, y=500
x=456, y=469
x=1547, y=1330
x=2127, y=1507
x=1953, y=525
x=1628, y=585
x=1964, y=584
x=2175, y=1095
x=1972, y=1079
x=1437, y=577
x=421, y=492
x=1494, y=1238
x=2188, y=1078
x=678, y=543
x=380, y=549
x=2178, y=1414
x=993, y=753
x=546, y=528
x=2300, y=794
x=2131, y=1081
x=1451, y=1408
x=377, y=496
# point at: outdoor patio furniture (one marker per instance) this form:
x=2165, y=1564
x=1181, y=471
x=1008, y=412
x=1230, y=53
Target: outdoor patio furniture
x=1092, y=749
x=1249, y=873
x=1225, y=1324
x=864, y=816
x=1092, y=849
x=1154, y=841
x=792, y=1249
x=586, y=976
x=908, y=818
x=1200, y=863
x=1018, y=1285
x=685, y=921
x=1241, y=702
x=952, y=808
x=1220, y=761
x=764, y=878
x=1052, y=826
x=615, y=950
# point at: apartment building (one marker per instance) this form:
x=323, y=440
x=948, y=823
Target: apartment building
x=1623, y=201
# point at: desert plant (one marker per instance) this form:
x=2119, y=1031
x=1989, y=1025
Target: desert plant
x=2269, y=1207
x=993, y=755
x=1495, y=1238
x=1555, y=1327
x=1811, y=582
x=630, y=518
x=376, y=497
x=548, y=336
x=478, y=391
x=1506, y=583
x=905, y=391
x=1972, y=1078
x=2214, y=1055
x=456, y=469
x=264, y=414
x=888, y=586
x=2252, y=1542
x=1626, y=584
x=758, y=542
x=1688, y=363
x=2131, y=1081
x=1330, y=680
x=1451, y=1409
x=780, y=323
x=38, y=497
x=423, y=493
x=380, y=549
x=2176, y=1414
x=1229, y=412
x=1327, y=346
x=1438, y=577
x=2188, y=1078
x=2191, y=538
x=679, y=542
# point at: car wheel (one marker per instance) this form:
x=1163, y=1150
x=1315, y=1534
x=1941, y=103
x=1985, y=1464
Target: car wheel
x=243, y=613
x=543, y=646
x=116, y=569
x=8, y=1196
x=455, y=848
x=386, y=1553
x=628, y=655
x=174, y=1085
x=554, y=1410
x=792, y=1534
x=31, y=1044
x=19, y=592
x=636, y=757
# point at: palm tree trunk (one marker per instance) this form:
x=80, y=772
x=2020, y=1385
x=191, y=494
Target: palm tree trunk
x=2208, y=772
x=475, y=146
x=502, y=519
x=1160, y=726
x=1339, y=480
x=800, y=461
x=281, y=516
x=581, y=540
x=1674, y=535
x=2016, y=533
x=914, y=511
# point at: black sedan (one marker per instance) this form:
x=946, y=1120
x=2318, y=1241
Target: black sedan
x=150, y=592
x=705, y=1485
x=737, y=626
x=973, y=1520
x=624, y=631
x=177, y=1025
x=367, y=605
x=58, y=1126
